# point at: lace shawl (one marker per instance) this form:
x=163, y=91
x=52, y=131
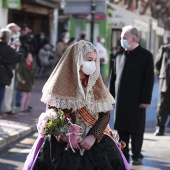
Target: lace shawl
x=64, y=90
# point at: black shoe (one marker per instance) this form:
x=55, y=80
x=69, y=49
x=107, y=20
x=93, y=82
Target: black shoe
x=159, y=132
x=29, y=109
x=136, y=161
x=11, y=114
x=141, y=156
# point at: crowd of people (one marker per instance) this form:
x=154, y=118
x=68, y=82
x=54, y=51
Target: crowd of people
x=88, y=101
x=25, y=56
x=19, y=72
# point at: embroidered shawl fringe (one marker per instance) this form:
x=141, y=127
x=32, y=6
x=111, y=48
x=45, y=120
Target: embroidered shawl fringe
x=101, y=106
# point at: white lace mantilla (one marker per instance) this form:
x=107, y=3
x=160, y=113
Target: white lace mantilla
x=84, y=96
x=95, y=107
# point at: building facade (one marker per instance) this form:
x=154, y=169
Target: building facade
x=39, y=15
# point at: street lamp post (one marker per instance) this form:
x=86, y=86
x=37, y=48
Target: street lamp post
x=93, y=7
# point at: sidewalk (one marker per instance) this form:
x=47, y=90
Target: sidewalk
x=13, y=128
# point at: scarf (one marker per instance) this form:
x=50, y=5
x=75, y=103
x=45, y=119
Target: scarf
x=64, y=90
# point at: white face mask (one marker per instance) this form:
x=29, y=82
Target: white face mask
x=89, y=67
x=125, y=44
x=66, y=40
x=17, y=35
x=102, y=40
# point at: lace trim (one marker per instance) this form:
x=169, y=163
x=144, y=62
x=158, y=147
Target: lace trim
x=89, y=47
x=83, y=98
x=101, y=106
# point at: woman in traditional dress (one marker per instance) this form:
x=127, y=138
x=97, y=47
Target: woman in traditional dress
x=76, y=87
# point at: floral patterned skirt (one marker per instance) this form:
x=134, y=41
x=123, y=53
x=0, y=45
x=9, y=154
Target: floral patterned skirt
x=102, y=156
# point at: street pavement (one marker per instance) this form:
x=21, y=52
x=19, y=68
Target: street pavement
x=12, y=128
x=156, y=149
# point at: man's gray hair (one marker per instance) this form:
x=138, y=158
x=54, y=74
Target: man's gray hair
x=133, y=31
x=5, y=34
x=10, y=25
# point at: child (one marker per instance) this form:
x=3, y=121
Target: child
x=25, y=78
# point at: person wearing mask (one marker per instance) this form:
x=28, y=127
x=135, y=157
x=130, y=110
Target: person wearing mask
x=8, y=57
x=9, y=92
x=102, y=53
x=132, y=83
x=46, y=58
x=162, y=70
x=76, y=87
x=26, y=40
x=15, y=29
x=61, y=46
x=42, y=40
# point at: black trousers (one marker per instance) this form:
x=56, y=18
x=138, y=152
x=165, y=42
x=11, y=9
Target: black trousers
x=161, y=120
x=163, y=109
x=136, y=143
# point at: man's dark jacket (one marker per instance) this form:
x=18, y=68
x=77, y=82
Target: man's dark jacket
x=8, y=57
x=162, y=70
x=162, y=66
x=133, y=78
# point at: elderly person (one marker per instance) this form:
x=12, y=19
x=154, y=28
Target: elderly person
x=8, y=56
x=132, y=83
x=9, y=92
x=15, y=29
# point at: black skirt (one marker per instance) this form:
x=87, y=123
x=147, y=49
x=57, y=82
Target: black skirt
x=102, y=156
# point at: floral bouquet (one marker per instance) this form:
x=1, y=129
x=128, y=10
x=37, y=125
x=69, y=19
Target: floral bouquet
x=56, y=122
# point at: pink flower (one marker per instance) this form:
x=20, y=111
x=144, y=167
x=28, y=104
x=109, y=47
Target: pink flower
x=43, y=123
x=41, y=134
x=43, y=116
x=54, y=114
x=51, y=113
x=39, y=125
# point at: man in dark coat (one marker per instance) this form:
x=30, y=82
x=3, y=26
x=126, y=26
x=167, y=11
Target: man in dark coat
x=133, y=81
x=162, y=70
x=8, y=56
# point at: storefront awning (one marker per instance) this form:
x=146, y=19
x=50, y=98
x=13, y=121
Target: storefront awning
x=46, y=3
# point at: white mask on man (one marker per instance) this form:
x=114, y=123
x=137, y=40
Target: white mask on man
x=17, y=35
x=89, y=67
